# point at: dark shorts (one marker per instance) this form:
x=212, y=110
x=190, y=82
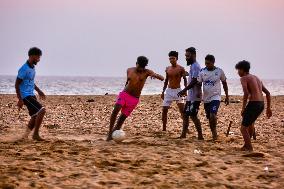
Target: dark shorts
x=252, y=112
x=191, y=108
x=211, y=107
x=33, y=105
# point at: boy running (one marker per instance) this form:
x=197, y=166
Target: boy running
x=174, y=73
x=128, y=99
x=194, y=96
x=25, y=86
x=253, y=102
x=211, y=77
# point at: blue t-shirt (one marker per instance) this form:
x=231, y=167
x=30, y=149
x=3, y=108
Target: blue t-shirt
x=27, y=74
x=195, y=93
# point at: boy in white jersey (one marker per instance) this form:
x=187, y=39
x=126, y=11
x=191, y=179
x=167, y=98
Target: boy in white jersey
x=211, y=77
x=194, y=94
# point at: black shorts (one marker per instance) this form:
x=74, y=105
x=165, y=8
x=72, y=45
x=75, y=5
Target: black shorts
x=191, y=108
x=33, y=105
x=211, y=108
x=252, y=112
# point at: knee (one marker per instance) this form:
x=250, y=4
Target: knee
x=42, y=111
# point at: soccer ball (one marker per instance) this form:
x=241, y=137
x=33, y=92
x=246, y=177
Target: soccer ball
x=118, y=135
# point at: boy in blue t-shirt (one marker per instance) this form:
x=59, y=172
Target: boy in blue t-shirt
x=25, y=87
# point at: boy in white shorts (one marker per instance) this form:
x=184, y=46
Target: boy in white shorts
x=174, y=74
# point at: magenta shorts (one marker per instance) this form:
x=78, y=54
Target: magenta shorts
x=127, y=102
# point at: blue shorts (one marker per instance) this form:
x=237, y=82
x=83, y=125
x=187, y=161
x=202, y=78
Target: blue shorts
x=191, y=108
x=211, y=107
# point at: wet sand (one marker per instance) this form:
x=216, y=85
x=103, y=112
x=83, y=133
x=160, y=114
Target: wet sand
x=76, y=154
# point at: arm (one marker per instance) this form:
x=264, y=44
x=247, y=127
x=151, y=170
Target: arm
x=127, y=77
x=246, y=94
x=268, y=99
x=191, y=84
x=184, y=77
x=156, y=76
x=165, y=85
x=127, y=81
x=17, y=87
x=40, y=93
x=225, y=87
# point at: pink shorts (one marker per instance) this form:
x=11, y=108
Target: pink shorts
x=127, y=102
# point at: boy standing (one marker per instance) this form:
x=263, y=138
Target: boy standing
x=253, y=102
x=128, y=99
x=25, y=86
x=194, y=95
x=211, y=78
x=174, y=74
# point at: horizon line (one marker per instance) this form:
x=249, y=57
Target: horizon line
x=9, y=75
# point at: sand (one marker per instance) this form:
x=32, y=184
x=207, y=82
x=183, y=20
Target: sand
x=76, y=154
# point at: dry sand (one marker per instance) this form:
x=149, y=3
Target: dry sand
x=77, y=156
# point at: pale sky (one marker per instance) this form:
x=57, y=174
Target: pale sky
x=104, y=37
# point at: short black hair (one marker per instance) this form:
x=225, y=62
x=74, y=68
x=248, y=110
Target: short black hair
x=210, y=58
x=35, y=51
x=191, y=50
x=243, y=65
x=142, y=61
x=173, y=53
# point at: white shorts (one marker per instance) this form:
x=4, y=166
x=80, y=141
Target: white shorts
x=171, y=95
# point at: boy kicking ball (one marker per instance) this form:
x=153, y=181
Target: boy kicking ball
x=253, y=102
x=128, y=99
x=25, y=87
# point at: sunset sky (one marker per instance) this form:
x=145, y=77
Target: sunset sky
x=104, y=37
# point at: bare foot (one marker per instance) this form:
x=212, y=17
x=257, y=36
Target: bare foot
x=109, y=138
x=246, y=148
x=214, y=138
x=182, y=136
x=200, y=138
x=38, y=138
x=26, y=134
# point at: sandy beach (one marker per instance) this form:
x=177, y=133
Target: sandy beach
x=76, y=154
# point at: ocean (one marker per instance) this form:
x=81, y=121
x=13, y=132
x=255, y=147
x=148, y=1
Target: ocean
x=53, y=85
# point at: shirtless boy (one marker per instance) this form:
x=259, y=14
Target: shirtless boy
x=25, y=87
x=174, y=74
x=128, y=99
x=253, y=102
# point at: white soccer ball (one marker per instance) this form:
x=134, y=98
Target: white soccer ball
x=118, y=135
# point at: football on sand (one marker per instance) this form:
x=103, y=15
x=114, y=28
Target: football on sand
x=118, y=135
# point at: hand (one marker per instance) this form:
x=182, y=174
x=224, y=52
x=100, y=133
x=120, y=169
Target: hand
x=20, y=104
x=227, y=101
x=181, y=93
x=268, y=113
x=163, y=96
x=41, y=95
